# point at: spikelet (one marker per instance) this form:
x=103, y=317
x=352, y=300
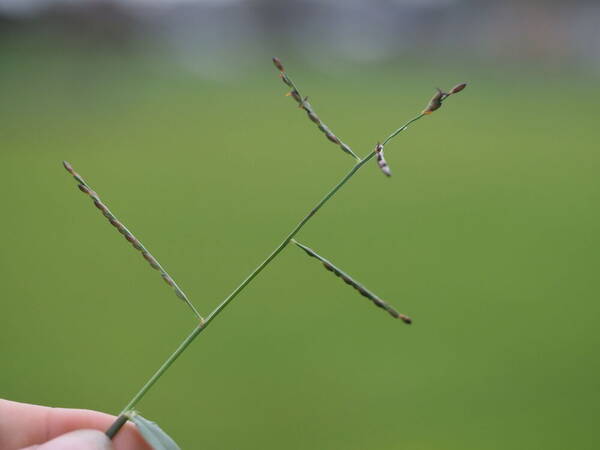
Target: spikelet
x=381, y=162
x=307, y=107
x=278, y=64
x=435, y=102
x=85, y=188
x=355, y=284
x=456, y=89
x=438, y=98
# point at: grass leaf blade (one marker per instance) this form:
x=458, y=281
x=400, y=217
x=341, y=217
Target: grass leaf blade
x=152, y=433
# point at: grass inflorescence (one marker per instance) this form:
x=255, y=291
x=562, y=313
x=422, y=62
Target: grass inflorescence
x=128, y=413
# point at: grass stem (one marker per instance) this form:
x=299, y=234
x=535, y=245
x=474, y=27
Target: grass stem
x=190, y=338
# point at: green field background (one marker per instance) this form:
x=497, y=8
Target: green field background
x=486, y=234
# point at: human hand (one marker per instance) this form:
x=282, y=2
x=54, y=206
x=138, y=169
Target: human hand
x=29, y=427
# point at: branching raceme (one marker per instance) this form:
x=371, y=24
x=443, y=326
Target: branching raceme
x=152, y=432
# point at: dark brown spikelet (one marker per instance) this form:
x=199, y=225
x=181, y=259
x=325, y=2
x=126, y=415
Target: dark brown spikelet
x=278, y=64
x=355, y=284
x=459, y=87
x=381, y=162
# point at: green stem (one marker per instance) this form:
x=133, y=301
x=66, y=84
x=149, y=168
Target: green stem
x=402, y=128
x=188, y=340
x=287, y=240
x=162, y=369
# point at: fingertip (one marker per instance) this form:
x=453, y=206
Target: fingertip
x=77, y=440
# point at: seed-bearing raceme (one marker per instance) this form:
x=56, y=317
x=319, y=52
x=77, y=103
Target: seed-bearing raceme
x=83, y=187
x=306, y=106
x=128, y=412
x=355, y=284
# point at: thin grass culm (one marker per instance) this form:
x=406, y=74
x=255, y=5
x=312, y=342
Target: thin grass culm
x=149, y=430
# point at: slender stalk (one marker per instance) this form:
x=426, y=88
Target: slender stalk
x=402, y=128
x=190, y=338
x=162, y=369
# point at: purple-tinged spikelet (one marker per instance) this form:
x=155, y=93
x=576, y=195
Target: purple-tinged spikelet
x=381, y=162
x=355, y=284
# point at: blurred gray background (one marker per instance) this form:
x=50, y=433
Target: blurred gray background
x=203, y=34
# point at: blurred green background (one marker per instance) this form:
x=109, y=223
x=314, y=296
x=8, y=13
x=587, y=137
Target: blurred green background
x=487, y=235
